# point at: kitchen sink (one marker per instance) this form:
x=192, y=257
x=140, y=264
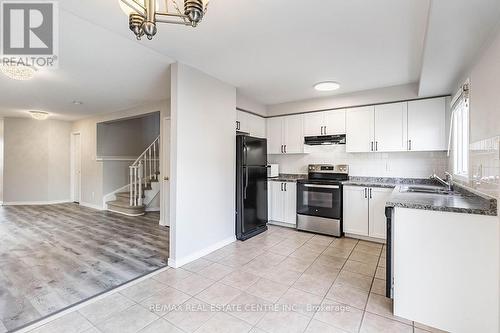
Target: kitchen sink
x=426, y=189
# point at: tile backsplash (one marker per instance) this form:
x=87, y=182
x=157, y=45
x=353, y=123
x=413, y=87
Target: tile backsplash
x=485, y=166
x=403, y=164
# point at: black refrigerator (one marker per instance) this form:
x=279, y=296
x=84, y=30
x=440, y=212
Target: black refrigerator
x=251, y=186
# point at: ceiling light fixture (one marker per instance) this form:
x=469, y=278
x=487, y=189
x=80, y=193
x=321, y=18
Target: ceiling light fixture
x=77, y=102
x=327, y=86
x=39, y=115
x=144, y=14
x=18, y=71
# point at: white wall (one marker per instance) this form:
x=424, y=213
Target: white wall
x=484, y=164
x=485, y=96
x=92, y=184
x=382, y=95
x=36, y=161
x=246, y=103
x=203, y=159
x=407, y=164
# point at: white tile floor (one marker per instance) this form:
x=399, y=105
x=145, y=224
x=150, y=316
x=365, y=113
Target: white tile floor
x=279, y=281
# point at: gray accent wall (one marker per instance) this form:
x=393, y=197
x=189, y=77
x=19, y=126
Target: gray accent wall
x=36, y=160
x=128, y=137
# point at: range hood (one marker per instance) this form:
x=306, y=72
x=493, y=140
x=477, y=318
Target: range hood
x=325, y=140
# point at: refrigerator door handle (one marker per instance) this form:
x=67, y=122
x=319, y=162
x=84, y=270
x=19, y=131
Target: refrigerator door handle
x=245, y=185
x=245, y=154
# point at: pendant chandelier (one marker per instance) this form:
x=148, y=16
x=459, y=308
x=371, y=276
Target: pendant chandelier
x=144, y=14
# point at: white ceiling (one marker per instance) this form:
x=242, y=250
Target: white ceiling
x=273, y=51
x=458, y=32
x=100, y=68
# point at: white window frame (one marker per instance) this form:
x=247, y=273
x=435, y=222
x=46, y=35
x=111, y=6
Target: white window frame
x=460, y=132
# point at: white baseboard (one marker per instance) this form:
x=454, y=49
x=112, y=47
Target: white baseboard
x=35, y=203
x=164, y=224
x=93, y=206
x=152, y=209
x=176, y=263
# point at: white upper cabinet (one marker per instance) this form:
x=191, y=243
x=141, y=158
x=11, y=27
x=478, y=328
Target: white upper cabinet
x=251, y=124
x=275, y=135
x=285, y=135
x=427, y=125
x=324, y=123
x=407, y=126
x=335, y=122
x=293, y=138
x=360, y=129
x=394, y=127
x=314, y=124
x=390, y=127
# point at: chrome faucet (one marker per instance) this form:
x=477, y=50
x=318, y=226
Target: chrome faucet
x=448, y=182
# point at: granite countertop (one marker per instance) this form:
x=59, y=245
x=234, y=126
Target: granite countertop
x=288, y=177
x=386, y=182
x=462, y=201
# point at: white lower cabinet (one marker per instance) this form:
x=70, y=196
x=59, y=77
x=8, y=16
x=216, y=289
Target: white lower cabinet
x=355, y=210
x=282, y=205
x=364, y=211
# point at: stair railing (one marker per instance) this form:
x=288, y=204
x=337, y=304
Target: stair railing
x=144, y=170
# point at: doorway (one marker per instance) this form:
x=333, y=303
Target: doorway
x=76, y=167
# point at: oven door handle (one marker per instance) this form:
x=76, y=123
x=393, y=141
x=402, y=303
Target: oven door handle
x=321, y=186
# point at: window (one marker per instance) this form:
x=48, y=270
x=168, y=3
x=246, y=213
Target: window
x=460, y=127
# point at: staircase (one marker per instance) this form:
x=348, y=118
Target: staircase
x=144, y=185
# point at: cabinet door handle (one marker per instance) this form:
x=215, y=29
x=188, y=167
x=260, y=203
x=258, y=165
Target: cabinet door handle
x=371, y=149
x=376, y=145
x=322, y=130
x=285, y=149
x=366, y=197
x=409, y=144
x=281, y=186
x=371, y=194
x=281, y=149
x=285, y=187
x=326, y=131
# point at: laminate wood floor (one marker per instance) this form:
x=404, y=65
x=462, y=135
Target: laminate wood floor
x=56, y=255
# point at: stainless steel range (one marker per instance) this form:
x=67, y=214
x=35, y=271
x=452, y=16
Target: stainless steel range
x=319, y=199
